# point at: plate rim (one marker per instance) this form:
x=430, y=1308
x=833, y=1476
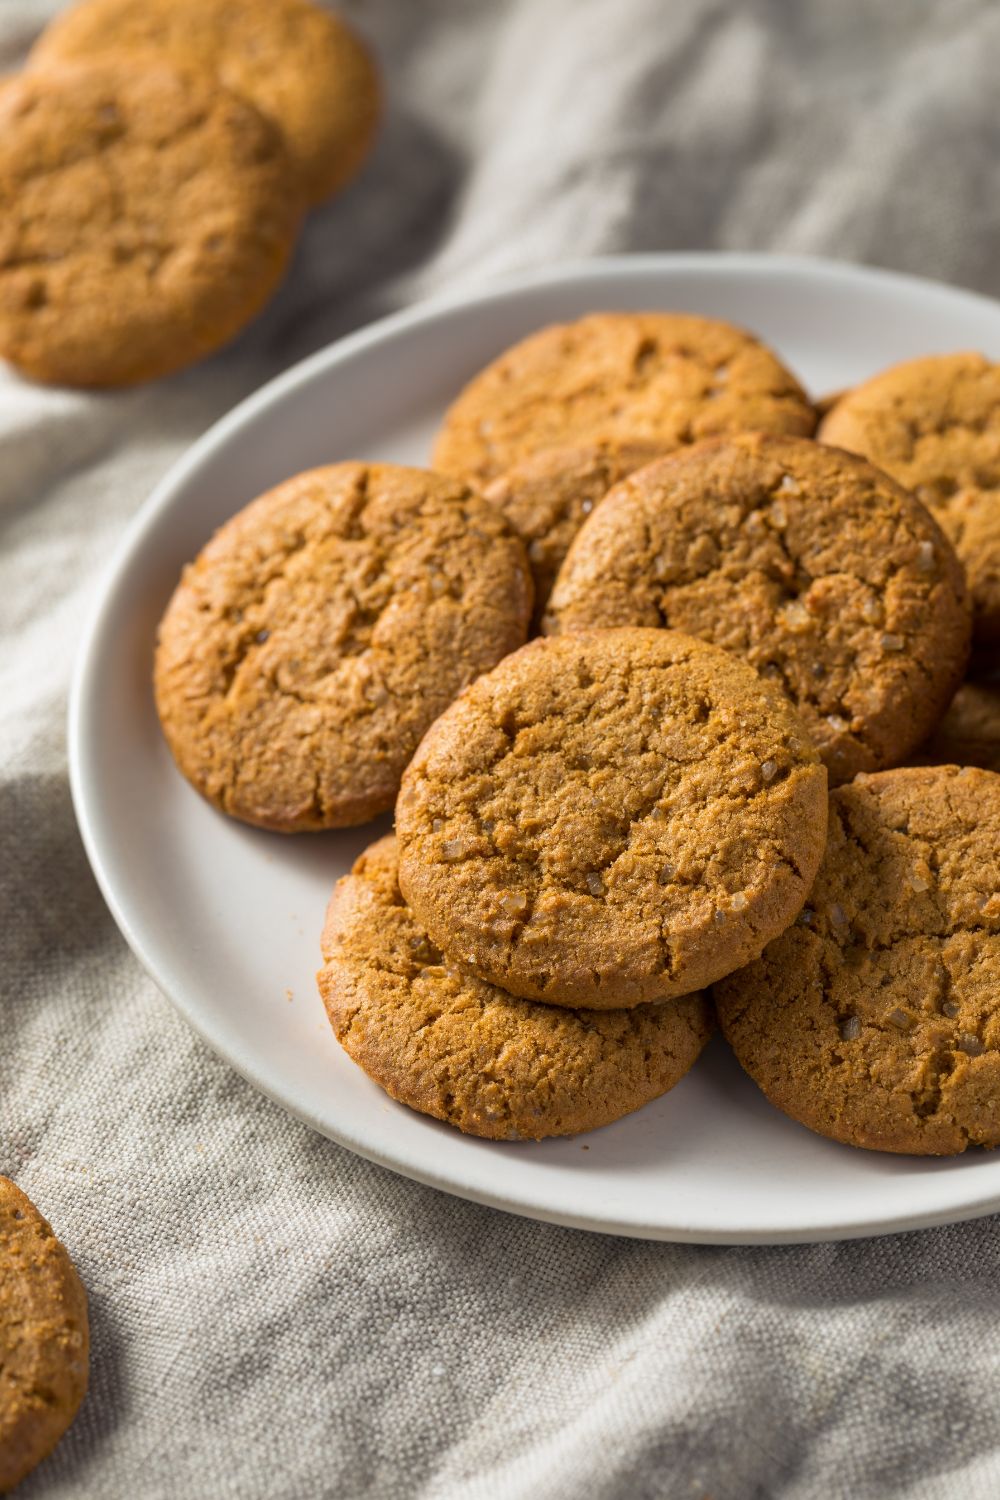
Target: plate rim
x=473, y=292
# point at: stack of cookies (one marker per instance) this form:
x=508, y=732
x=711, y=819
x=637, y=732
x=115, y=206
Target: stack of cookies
x=610, y=834
x=156, y=160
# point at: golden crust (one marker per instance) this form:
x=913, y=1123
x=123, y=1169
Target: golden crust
x=810, y=564
x=320, y=632
x=875, y=1018
x=146, y=216
x=448, y=1044
x=548, y=496
x=668, y=379
x=44, y=1337
x=934, y=425
x=303, y=68
x=611, y=818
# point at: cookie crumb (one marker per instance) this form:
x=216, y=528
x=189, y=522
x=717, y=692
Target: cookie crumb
x=796, y=615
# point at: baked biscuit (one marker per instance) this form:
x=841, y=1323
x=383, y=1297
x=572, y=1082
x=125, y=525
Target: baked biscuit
x=301, y=66
x=44, y=1337
x=934, y=425
x=611, y=818
x=323, y=629
x=146, y=216
x=666, y=379
x=809, y=563
x=969, y=733
x=875, y=1019
x=464, y=1051
x=548, y=496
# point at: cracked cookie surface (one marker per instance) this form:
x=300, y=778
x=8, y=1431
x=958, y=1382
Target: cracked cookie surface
x=146, y=215
x=611, y=818
x=875, y=1018
x=934, y=425
x=667, y=379
x=323, y=629
x=44, y=1337
x=808, y=563
x=452, y=1046
x=548, y=496
x=303, y=68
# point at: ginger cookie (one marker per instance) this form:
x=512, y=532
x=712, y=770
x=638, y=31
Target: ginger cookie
x=969, y=733
x=812, y=565
x=934, y=425
x=44, y=1337
x=323, y=629
x=611, y=818
x=303, y=68
x=145, y=217
x=548, y=496
x=875, y=1019
x=464, y=1051
x=667, y=379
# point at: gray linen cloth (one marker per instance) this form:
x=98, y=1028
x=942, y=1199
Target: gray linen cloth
x=271, y=1315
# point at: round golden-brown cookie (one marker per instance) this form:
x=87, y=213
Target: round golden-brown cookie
x=145, y=217
x=452, y=1046
x=875, y=1019
x=548, y=496
x=323, y=629
x=934, y=424
x=662, y=378
x=44, y=1337
x=301, y=66
x=969, y=733
x=809, y=563
x=611, y=818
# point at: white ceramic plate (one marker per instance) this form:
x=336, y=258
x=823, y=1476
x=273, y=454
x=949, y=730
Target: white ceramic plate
x=227, y=919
